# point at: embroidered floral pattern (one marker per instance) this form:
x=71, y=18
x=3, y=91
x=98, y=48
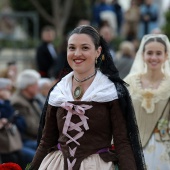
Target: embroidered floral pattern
x=157, y=154
x=150, y=149
x=162, y=130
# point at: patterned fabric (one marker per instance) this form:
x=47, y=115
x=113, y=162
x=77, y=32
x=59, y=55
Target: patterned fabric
x=157, y=154
x=148, y=97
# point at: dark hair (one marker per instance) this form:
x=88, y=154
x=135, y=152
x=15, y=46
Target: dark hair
x=11, y=63
x=104, y=62
x=48, y=28
x=155, y=39
x=89, y=30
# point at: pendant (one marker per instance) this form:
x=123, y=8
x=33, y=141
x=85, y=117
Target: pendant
x=78, y=92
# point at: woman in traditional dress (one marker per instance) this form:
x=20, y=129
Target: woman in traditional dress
x=86, y=110
x=149, y=81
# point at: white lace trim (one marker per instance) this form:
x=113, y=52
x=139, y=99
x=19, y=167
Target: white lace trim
x=149, y=97
x=101, y=90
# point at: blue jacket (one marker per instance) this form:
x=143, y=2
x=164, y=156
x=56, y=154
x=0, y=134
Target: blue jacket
x=8, y=112
x=147, y=27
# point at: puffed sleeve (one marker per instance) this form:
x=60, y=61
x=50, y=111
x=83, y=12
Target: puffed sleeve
x=120, y=136
x=49, y=137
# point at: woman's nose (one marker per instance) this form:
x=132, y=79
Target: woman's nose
x=154, y=56
x=77, y=52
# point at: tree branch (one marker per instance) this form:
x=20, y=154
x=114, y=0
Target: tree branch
x=67, y=7
x=66, y=10
x=55, y=9
x=42, y=11
x=61, y=12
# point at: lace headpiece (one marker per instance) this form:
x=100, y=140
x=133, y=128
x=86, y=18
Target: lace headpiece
x=139, y=64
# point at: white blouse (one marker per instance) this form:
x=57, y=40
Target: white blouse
x=101, y=90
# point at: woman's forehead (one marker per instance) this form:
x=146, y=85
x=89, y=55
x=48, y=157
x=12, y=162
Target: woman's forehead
x=155, y=46
x=80, y=39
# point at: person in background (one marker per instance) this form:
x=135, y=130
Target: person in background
x=149, y=14
x=149, y=81
x=14, y=156
x=6, y=111
x=106, y=32
x=83, y=21
x=103, y=11
x=131, y=21
x=24, y=100
x=44, y=85
x=85, y=110
x=124, y=58
x=9, y=116
x=156, y=31
x=46, y=55
x=10, y=72
x=119, y=16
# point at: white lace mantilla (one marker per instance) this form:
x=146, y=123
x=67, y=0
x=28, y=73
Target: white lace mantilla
x=149, y=97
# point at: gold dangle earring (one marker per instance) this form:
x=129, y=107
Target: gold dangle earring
x=103, y=57
x=96, y=61
x=145, y=68
x=163, y=68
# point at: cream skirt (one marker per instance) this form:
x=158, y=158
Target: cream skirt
x=55, y=161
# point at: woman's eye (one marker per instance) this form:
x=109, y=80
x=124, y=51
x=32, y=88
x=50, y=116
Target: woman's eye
x=149, y=53
x=85, y=48
x=71, y=48
x=158, y=53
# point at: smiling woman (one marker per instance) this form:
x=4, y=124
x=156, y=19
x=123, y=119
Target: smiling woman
x=149, y=80
x=81, y=55
x=155, y=55
x=86, y=110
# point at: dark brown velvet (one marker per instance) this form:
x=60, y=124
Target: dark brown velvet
x=105, y=120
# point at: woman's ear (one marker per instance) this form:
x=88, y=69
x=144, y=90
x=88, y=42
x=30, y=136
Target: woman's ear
x=166, y=56
x=143, y=56
x=99, y=50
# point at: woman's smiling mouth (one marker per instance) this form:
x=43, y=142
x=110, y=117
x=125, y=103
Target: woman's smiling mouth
x=78, y=61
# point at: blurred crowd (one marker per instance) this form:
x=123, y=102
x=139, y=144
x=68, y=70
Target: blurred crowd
x=26, y=91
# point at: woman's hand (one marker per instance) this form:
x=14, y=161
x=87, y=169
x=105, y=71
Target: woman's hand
x=3, y=122
x=5, y=94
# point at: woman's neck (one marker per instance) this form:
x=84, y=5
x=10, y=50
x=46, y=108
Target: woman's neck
x=84, y=76
x=154, y=76
x=152, y=79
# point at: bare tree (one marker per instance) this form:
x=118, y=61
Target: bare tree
x=60, y=13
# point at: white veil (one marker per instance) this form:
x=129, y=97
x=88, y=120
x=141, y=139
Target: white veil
x=139, y=64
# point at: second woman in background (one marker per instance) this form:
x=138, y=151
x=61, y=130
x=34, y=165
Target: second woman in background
x=149, y=81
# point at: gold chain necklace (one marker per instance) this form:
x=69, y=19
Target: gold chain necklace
x=78, y=92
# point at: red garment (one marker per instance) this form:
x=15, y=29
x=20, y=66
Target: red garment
x=10, y=166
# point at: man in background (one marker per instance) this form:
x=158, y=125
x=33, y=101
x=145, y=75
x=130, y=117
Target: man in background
x=46, y=56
